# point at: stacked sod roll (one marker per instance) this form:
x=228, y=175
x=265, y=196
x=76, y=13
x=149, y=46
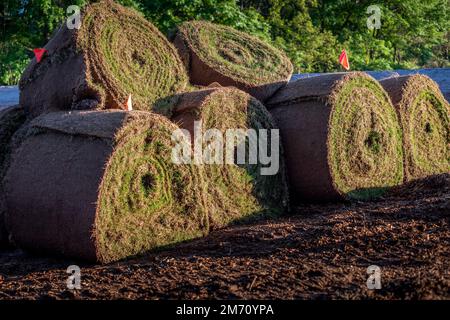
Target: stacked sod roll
x=239, y=189
x=11, y=119
x=216, y=53
x=341, y=136
x=115, y=53
x=425, y=118
x=101, y=186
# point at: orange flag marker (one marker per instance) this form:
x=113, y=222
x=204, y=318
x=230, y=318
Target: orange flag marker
x=129, y=104
x=38, y=53
x=343, y=60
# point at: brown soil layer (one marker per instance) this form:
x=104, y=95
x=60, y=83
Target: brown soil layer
x=321, y=252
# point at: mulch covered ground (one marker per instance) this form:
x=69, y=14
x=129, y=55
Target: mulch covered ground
x=320, y=252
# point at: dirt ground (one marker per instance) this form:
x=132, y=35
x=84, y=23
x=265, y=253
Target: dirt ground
x=319, y=252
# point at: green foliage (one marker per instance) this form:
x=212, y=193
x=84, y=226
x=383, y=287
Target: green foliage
x=26, y=25
x=413, y=33
x=13, y=59
x=166, y=14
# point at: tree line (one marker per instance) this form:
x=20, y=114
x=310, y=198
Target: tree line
x=412, y=34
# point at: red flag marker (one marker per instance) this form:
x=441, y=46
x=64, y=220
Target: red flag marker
x=343, y=60
x=129, y=104
x=38, y=53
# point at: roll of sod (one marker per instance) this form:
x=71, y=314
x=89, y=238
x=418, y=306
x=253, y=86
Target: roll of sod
x=216, y=53
x=425, y=118
x=11, y=119
x=115, y=53
x=240, y=189
x=341, y=135
x=101, y=186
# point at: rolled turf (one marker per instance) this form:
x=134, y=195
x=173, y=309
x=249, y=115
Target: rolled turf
x=115, y=53
x=425, y=118
x=341, y=136
x=101, y=186
x=239, y=191
x=217, y=53
x=11, y=119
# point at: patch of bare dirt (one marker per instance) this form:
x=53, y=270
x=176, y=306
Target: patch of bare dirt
x=319, y=252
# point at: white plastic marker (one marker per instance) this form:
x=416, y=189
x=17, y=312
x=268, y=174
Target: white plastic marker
x=129, y=104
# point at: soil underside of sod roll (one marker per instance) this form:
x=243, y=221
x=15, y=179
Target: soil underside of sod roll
x=115, y=53
x=216, y=53
x=425, y=118
x=341, y=136
x=239, y=191
x=101, y=186
x=11, y=119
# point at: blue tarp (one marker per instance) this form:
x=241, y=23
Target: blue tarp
x=9, y=96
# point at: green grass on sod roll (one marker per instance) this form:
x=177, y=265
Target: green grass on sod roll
x=101, y=186
x=115, y=53
x=365, y=139
x=239, y=191
x=425, y=117
x=341, y=135
x=11, y=119
x=217, y=53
